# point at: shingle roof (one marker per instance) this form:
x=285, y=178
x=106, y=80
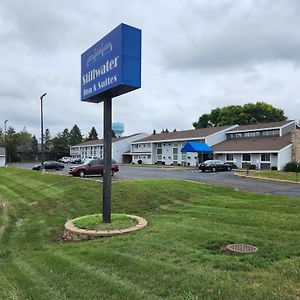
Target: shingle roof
x=184, y=134
x=101, y=141
x=260, y=126
x=254, y=144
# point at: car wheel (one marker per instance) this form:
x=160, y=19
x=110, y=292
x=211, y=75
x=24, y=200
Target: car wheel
x=229, y=169
x=213, y=169
x=81, y=174
x=57, y=169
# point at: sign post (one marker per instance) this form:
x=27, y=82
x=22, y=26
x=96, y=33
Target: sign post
x=110, y=68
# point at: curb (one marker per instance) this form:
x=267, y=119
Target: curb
x=266, y=178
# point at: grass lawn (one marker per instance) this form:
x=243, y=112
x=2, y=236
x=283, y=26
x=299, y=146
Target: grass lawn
x=291, y=176
x=177, y=256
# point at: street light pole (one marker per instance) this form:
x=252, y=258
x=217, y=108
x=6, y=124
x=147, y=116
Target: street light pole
x=42, y=133
x=5, y=145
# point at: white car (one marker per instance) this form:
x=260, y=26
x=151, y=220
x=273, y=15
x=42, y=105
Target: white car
x=65, y=159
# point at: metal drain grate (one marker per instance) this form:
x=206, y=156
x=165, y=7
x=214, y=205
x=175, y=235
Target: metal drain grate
x=241, y=248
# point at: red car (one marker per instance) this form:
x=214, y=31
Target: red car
x=93, y=167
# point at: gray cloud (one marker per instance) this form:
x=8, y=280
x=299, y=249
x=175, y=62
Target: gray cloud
x=196, y=55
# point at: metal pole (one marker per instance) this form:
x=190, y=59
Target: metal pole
x=106, y=208
x=42, y=134
x=5, y=142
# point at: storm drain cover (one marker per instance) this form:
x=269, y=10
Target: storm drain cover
x=241, y=248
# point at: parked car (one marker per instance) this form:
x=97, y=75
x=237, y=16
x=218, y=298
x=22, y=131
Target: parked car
x=75, y=160
x=214, y=165
x=50, y=164
x=65, y=159
x=92, y=167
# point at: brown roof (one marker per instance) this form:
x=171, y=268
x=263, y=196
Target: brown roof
x=101, y=141
x=184, y=134
x=260, y=126
x=254, y=144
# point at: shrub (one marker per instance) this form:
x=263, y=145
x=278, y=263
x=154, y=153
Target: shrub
x=233, y=165
x=252, y=167
x=139, y=161
x=274, y=168
x=292, y=167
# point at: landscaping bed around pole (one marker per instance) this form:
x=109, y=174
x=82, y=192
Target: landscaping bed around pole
x=72, y=233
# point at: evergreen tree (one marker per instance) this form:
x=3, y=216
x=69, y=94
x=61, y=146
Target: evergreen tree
x=75, y=136
x=93, y=135
x=113, y=134
x=34, y=147
x=154, y=132
x=47, y=143
x=24, y=143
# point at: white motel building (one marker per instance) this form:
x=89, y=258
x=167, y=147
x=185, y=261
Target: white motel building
x=264, y=145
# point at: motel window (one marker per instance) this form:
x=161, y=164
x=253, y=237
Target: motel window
x=246, y=157
x=159, y=154
x=159, y=145
x=265, y=157
x=183, y=156
x=175, y=154
x=229, y=157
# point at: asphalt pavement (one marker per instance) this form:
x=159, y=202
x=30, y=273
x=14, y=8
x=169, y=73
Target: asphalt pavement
x=220, y=178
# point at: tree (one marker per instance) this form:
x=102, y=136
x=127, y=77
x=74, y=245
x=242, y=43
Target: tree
x=34, y=147
x=24, y=143
x=113, y=134
x=75, y=136
x=154, y=132
x=93, y=135
x=60, y=145
x=12, y=144
x=47, y=142
x=249, y=113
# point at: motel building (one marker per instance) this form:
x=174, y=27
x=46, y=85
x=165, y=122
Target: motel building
x=165, y=148
x=2, y=157
x=263, y=145
x=94, y=148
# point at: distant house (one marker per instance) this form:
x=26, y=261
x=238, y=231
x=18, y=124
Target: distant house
x=264, y=145
x=2, y=157
x=94, y=149
x=166, y=148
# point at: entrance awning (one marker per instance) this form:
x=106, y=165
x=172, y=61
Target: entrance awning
x=199, y=147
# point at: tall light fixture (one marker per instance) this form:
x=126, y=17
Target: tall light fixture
x=42, y=133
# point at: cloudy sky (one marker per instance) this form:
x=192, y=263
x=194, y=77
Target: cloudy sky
x=196, y=56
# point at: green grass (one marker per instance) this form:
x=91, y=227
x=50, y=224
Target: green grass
x=177, y=256
x=94, y=222
x=291, y=176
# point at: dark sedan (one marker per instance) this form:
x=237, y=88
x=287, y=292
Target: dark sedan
x=214, y=165
x=50, y=164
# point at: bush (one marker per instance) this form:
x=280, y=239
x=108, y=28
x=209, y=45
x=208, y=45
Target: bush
x=233, y=165
x=292, y=167
x=252, y=167
x=139, y=161
x=274, y=168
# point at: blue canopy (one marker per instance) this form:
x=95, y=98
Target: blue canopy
x=196, y=147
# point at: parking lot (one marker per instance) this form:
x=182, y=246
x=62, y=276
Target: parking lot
x=128, y=172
